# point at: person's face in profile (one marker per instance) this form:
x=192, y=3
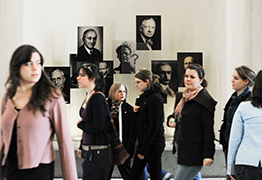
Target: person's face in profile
x=124, y=55
x=142, y=86
x=238, y=84
x=103, y=68
x=188, y=61
x=90, y=39
x=58, y=79
x=147, y=28
x=165, y=73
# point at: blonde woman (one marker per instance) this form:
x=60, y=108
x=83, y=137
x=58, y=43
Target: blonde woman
x=125, y=120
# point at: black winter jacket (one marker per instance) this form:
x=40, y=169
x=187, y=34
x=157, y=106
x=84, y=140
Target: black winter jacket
x=230, y=109
x=128, y=126
x=195, y=133
x=150, y=130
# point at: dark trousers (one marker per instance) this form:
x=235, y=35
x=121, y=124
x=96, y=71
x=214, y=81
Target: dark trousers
x=97, y=164
x=42, y=172
x=124, y=170
x=153, y=159
x=244, y=172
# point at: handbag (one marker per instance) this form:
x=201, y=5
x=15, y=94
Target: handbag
x=119, y=152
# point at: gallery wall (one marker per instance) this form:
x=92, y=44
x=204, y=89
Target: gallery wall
x=227, y=32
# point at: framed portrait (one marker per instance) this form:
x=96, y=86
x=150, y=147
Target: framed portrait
x=148, y=32
x=106, y=69
x=60, y=77
x=90, y=44
x=167, y=73
x=184, y=60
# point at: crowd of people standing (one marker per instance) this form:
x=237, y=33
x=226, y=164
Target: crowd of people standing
x=30, y=117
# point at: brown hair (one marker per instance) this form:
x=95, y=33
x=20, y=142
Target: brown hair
x=91, y=70
x=43, y=90
x=200, y=71
x=256, y=98
x=145, y=74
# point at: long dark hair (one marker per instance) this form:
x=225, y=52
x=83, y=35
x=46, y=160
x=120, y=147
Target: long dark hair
x=91, y=70
x=200, y=71
x=256, y=98
x=42, y=90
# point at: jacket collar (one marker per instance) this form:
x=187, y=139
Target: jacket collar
x=206, y=100
x=242, y=97
x=202, y=98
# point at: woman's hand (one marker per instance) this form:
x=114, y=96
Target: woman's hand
x=79, y=153
x=140, y=156
x=136, y=108
x=79, y=121
x=171, y=123
x=207, y=161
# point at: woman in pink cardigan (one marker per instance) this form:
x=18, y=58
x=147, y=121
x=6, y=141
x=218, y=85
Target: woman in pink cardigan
x=33, y=110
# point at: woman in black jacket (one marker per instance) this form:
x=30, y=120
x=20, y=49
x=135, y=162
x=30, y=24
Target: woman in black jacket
x=243, y=77
x=194, y=136
x=150, y=131
x=124, y=119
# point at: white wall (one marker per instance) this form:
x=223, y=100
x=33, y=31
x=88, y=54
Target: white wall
x=227, y=32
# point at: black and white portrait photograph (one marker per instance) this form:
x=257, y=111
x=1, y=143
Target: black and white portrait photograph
x=167, y=72
x=125, y=61
x=60, y=77
x=186, y=59
x=106, y=69
x=90, y=44
x=148, y=32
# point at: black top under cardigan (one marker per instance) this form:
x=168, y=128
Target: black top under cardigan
x=195, y=132
x=96, y=121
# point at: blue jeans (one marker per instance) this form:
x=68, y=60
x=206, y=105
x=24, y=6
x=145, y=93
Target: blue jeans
x=244, y=172
x=186, y=172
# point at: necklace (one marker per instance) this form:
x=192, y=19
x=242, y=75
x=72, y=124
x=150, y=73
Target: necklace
x=87, y=98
